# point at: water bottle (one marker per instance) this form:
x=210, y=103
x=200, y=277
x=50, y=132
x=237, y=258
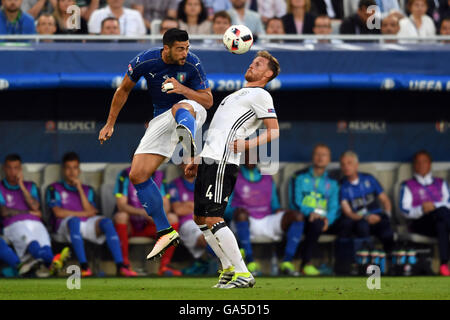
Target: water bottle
x=382, y=256
x=375, y=257
x=401, y=257
x=412, y=260
x=274, y=264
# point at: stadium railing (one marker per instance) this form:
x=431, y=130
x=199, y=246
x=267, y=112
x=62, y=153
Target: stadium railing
x=263, y=37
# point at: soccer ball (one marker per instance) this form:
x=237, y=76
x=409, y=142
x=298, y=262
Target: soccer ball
x=238, y=39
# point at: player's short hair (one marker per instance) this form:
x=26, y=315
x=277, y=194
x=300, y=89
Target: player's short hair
x=12, y=157
x=366, y=3
x=349, y=153
x=222, y=14
x=422, y=152
x=274, y=65
x=109, y=19
x=174, y=34
x=70, y=156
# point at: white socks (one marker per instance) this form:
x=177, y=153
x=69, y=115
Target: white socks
x=228, y=243
x=214, y=244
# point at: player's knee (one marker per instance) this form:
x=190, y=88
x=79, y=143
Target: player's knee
x=179, y=106
x=240, y=215
x=294, y=216
x=121, y=218
x=137, y=176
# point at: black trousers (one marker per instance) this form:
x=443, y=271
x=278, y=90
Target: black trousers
x=348, y=228
x=435, y=224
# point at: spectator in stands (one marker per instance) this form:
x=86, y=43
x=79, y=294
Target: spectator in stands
x=267, y=9
x=390, y=26
x=357, y=23
x=361, y=195
x=132, y=219
x=275, y=26
x=445, y=28
x=425, y=202
x=36, y=7
x=316, y=195
x=130, y=21
x=241, y=15
x=110, y=26
x=46, y=24
x=168, y=23
x=66, y=23
x=89, y=6
x=322, y=26
x=331, y=8
x=13, y=20
x=221, y=22
x=74, y=216
x=21, y=218
x=418, y=23
x=444, y=10
x=385, y=7
x=258, y=216
x=192, y=17
x=155, y=9
x=181, y=192
x=299, y=20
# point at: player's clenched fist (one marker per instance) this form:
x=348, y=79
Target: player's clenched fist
x=105, y=133
x=177, y=87
x=191, y=170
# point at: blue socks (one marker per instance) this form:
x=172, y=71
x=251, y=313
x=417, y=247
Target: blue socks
x=151, y=199
x=77, y=241
x=8, y=255
x=45, y=253
x=184, y=117
x=243, y=232
x=112, y=239
x=293, y=236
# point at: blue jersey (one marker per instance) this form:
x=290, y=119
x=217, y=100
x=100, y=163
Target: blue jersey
x=362, y=196
x=150, y=65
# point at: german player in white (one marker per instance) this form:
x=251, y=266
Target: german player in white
x=237, y=117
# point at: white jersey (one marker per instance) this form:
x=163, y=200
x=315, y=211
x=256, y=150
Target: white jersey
x=238, y=116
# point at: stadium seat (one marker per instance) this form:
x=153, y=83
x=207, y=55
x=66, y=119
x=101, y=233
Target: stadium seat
x=112, y=170
x=172, y=172
x=32, y=175
x=155, y=26
x=107, y=199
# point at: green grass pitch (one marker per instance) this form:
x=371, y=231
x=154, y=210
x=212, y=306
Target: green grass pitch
x=266, y=288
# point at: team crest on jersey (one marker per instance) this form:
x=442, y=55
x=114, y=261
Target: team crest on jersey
x=243, y=93
x=130, y=68
x=181, y=76
x=367, y=184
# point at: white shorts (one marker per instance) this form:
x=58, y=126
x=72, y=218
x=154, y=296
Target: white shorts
x=161, y=136
x=87, y=230
x=267, y=229
x=189, y=233
x=21, y=233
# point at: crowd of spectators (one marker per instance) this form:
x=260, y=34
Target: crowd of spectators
x=406, y=18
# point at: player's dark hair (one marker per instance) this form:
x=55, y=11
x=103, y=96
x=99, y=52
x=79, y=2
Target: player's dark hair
x=70, y=156
x=12, y=157
x=274, y=65
x=222, y=14
x=182, y=14
x=366, y=3
x=174, y=34
x=109, y=19
x=422, y=152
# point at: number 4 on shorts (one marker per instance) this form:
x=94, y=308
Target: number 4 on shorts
x=209, y=194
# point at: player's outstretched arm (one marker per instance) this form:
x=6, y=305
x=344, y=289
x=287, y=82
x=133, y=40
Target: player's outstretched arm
x=272, y=133
x=119, y=99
